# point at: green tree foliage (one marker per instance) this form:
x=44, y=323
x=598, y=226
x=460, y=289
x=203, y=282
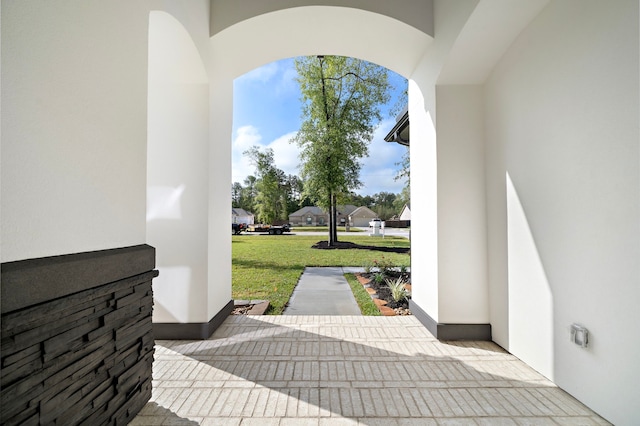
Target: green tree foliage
x=249, y=193
x=236, y=194
x=360, y=200
x=341, y=107
x=270, y=203
x=290, y=187
x=403, y=198
x=404, y=173
x=405, y=169
x=295, y=194
x=244, y=196
x=383, y=205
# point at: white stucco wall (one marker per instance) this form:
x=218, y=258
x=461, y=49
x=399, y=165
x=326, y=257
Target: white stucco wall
x=424, y=205
x=563, y=177
x=417, y=13
x=177, y=171
x=219, y=202
x=462, y=242
x=73, y=126
x=449, y=19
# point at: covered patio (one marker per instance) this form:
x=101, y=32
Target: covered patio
x=347, y=370
x=525, y=206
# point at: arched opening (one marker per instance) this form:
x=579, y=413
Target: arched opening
x=265, y=38
x=199, y=260
x=267, y=115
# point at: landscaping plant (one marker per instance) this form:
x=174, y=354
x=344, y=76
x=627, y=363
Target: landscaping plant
x=398, y=290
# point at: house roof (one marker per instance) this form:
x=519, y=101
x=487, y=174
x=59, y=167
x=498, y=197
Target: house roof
x=363, y=212
x=400, y=132
x=317, y=211
x=309, y=210
x=346, y=209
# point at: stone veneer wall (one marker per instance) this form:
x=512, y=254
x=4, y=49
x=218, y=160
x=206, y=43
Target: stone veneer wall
x=77, y=341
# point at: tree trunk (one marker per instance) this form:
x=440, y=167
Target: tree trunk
x=335, y=218
x=333, y=234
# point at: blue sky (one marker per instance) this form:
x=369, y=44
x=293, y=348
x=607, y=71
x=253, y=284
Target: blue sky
x=266, y=113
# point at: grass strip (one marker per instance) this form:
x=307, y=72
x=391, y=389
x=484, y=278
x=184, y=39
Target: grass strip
x=367, y=307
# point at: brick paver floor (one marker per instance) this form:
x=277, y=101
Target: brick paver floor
x=347, y=370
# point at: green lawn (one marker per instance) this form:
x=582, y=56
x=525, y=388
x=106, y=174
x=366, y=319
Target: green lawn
x=268, y=267
x=366, y=305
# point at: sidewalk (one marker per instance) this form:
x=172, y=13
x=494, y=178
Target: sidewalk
x=323, y=291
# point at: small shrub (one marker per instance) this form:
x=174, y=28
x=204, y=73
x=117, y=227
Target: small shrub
x=384, y=265
x=398, y=292
x=378, y=277
x=403, y=269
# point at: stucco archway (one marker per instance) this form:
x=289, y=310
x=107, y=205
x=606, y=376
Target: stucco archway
x=293, y=32
x=240, y=48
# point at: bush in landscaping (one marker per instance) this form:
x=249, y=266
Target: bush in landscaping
x=378, y=277
x=384, y=265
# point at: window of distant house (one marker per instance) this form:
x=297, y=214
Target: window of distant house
x=309, y=221
x=321, y=221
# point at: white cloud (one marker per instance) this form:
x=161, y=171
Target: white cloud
x=381, y=152
x=278, y=76
x=288, y=83
x=379, y=169
x=285, y=153
x=377, y=173
x=379, y=180
x=245, y=138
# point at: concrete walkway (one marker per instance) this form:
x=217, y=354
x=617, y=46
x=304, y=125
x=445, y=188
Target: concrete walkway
x=323, y=291
x=347, y=370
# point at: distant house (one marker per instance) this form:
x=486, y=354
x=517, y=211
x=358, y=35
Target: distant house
x=344, y=212
x=405, y=214
x=242, y=216
x=362, y=216
x=315, y=216
x=308, y=216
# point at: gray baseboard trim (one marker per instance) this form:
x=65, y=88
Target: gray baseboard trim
x=450, y=331
x=191, y=330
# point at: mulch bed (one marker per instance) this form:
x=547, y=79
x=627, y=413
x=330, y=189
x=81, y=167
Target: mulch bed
x=250, y=307
x=382, y=292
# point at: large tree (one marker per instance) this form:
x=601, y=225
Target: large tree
x=271, y=187
x=341, y=108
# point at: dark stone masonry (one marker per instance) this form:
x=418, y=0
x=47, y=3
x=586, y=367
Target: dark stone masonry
x=77, y=341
